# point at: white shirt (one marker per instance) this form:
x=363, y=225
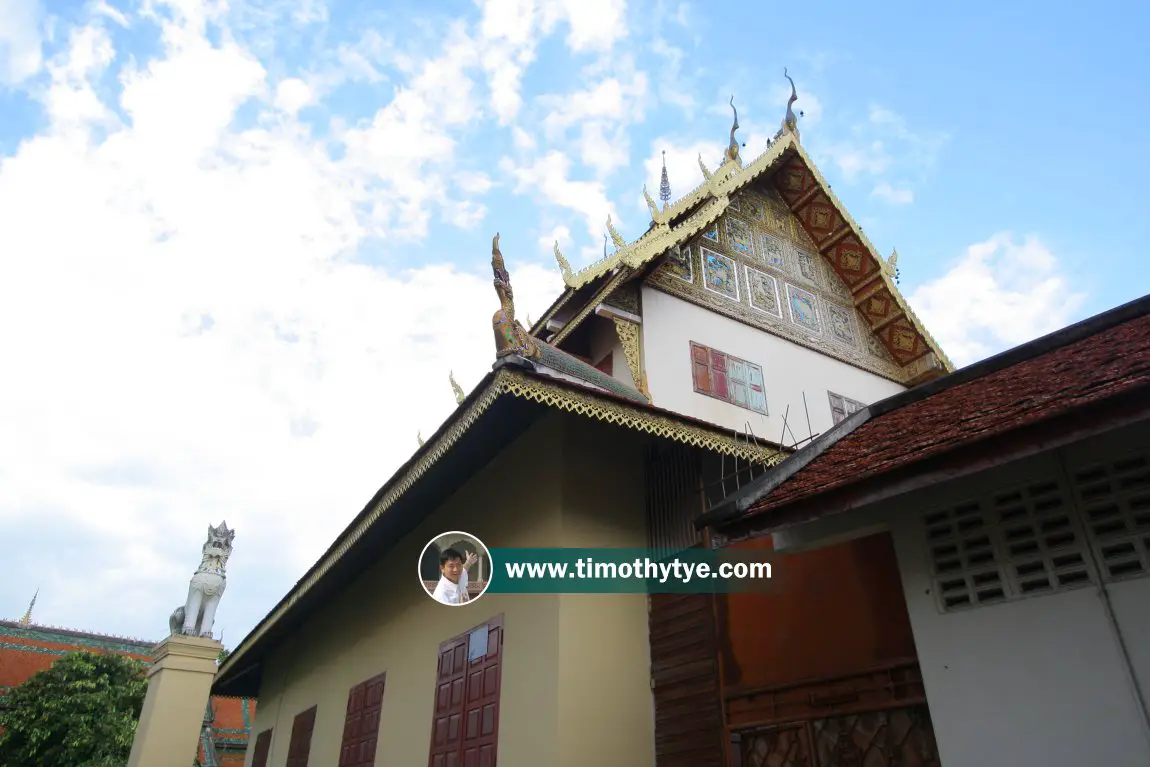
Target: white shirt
x=451, y=593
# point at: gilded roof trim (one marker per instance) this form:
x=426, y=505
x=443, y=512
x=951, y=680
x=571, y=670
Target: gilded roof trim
x=718, y=186
x=508, y=382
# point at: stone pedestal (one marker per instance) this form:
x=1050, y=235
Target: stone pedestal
x=179, y=685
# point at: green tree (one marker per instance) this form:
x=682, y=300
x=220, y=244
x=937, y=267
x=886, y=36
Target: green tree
x=81, y=712
x=223, y=656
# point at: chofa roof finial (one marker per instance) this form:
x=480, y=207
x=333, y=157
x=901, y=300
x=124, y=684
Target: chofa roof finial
x=455, y=387
x=733, y=145
x=790, y=122
x=27, y=619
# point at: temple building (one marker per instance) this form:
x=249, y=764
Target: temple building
x=752, y=316
x=27, y=648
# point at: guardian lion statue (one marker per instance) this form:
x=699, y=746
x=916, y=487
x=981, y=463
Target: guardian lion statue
x=196, y=616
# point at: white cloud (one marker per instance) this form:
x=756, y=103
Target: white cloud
x=1001, y=293
x=893, y=195
x=195, y=343
x=550, y=177
x=20, y=55
x=293, y=95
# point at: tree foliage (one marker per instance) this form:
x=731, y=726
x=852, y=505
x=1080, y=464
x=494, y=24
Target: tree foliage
x=81, y=712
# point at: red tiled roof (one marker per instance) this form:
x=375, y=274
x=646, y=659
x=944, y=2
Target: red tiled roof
x=1106, y=364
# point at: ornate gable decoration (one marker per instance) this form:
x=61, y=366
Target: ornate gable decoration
x=891, y=330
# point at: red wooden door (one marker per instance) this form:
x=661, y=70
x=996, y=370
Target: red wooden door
x=262, y=748
x=299, y=747
x=361, y=726
x=465, y=725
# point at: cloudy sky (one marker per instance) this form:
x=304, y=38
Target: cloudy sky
x=243, y=243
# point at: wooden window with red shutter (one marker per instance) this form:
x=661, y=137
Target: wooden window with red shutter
x=465, y=720
x=730, y=379
x=299, y=747
x=262, y=748
x=361, y=724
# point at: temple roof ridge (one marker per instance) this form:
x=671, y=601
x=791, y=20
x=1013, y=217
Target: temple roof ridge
x=44, y=627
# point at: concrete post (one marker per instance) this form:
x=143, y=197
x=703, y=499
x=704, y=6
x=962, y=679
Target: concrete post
x=179, y=685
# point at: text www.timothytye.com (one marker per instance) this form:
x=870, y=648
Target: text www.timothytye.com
x=644, y=569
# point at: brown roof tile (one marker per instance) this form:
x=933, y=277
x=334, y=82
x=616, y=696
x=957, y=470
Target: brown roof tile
x=1111, y=362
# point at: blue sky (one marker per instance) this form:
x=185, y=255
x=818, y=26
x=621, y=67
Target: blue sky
x=242, y=244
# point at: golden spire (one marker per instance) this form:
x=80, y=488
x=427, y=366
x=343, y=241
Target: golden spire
x=459, y=395
x=27, y=619
x=665, y=184
x=790, y=122
x=564, y=266
x=733, y=145
x=615, y=236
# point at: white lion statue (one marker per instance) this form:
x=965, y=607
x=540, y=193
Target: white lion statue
x=196, y=616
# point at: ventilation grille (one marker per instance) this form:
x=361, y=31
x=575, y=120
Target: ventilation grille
x=1009, y=545
x=1115, y=501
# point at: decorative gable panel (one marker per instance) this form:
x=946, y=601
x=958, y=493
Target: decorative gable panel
x=759, y=266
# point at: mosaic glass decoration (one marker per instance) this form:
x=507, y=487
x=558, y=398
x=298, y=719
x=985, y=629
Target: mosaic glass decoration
x=712, y=233
x=774, y=251
x=735, y=204
x=763, y=292
x=719, y=274
x=873, y=345
x=751, y=208
x=778, y=215
x=739, y=236
x=839, y=323
x=808, y=267
x=679, y=263
x=804, y=309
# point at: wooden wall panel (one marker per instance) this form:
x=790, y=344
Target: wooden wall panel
x=689, y=730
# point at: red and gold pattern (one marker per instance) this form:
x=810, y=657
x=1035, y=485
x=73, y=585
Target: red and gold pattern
x=851, y=260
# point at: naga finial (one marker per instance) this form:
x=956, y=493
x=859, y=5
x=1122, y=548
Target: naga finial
x=703, y=167
x=790, y=122
x=511, y=338
x=604, y=246
x=733, y=145
x=892, y=264
x=455, y=387
x=650, y=204
x=564, y=266
x=419, y=438
x=615, y=236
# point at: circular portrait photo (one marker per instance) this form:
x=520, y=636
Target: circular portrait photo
x=455, y=568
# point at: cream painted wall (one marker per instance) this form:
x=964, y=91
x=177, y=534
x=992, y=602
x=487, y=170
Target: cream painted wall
x=789, y=370
x=606, y=708
x=605, y=339
x=561, y=653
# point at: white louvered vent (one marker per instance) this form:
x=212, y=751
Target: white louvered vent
x=1009, y=545
x=1115, y=501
